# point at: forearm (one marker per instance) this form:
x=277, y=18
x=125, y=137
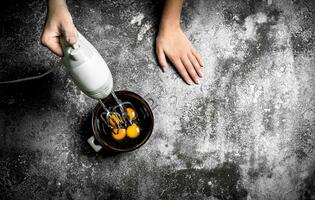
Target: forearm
x=171, y=14
x=54, y=5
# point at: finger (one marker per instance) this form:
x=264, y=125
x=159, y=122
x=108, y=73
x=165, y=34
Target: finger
x=196, y=65
x=56, y=48
x=52, y=43
x=70, y=33
x=198, y=56
x=190, y=68
x=182, y=71
x=161, y=59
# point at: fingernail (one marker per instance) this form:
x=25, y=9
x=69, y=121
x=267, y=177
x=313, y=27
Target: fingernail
x=189, y=82
x=197, y=81
x=201, y=74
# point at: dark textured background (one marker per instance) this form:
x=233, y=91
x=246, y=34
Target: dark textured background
x=246, y=132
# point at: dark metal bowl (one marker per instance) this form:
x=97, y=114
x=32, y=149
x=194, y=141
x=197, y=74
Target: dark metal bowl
x=145, y=121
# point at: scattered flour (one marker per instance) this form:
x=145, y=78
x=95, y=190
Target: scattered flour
x=137, y=19
x=251, y=23
x=143, y=30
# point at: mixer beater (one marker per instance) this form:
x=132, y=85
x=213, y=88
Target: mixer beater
x=111, y=117
x=119, y=117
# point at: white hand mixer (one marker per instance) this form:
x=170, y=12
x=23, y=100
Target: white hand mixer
x=90, y=73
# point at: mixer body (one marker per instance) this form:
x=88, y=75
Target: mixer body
x=87, y=68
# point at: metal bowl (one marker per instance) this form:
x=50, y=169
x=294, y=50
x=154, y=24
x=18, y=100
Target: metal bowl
x=102, y=138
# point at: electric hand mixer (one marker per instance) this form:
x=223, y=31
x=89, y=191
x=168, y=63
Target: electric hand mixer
x=90, y=73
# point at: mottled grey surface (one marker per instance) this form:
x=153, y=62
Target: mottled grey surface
x=246, y=132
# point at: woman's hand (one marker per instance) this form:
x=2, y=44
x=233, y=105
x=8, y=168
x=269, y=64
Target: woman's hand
x=58, y=23
x=174, y=45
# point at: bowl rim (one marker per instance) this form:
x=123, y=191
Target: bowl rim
x=104, y=143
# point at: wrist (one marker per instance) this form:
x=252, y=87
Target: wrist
x=168, y=25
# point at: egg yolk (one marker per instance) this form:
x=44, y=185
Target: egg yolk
x=114, y=120
x=133, y=131
x=131, y=113
x=119, y=134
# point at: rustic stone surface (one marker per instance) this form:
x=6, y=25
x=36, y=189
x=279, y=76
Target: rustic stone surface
x=245, y=132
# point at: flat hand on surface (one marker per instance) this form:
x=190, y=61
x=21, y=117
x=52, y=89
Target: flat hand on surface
x=174, y=45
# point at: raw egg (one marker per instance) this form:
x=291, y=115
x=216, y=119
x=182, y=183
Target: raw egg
x=133, y=131
x=131, y=113
x=119, y=134
x=114, y=120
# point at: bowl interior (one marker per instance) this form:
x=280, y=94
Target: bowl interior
x=144, y=120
